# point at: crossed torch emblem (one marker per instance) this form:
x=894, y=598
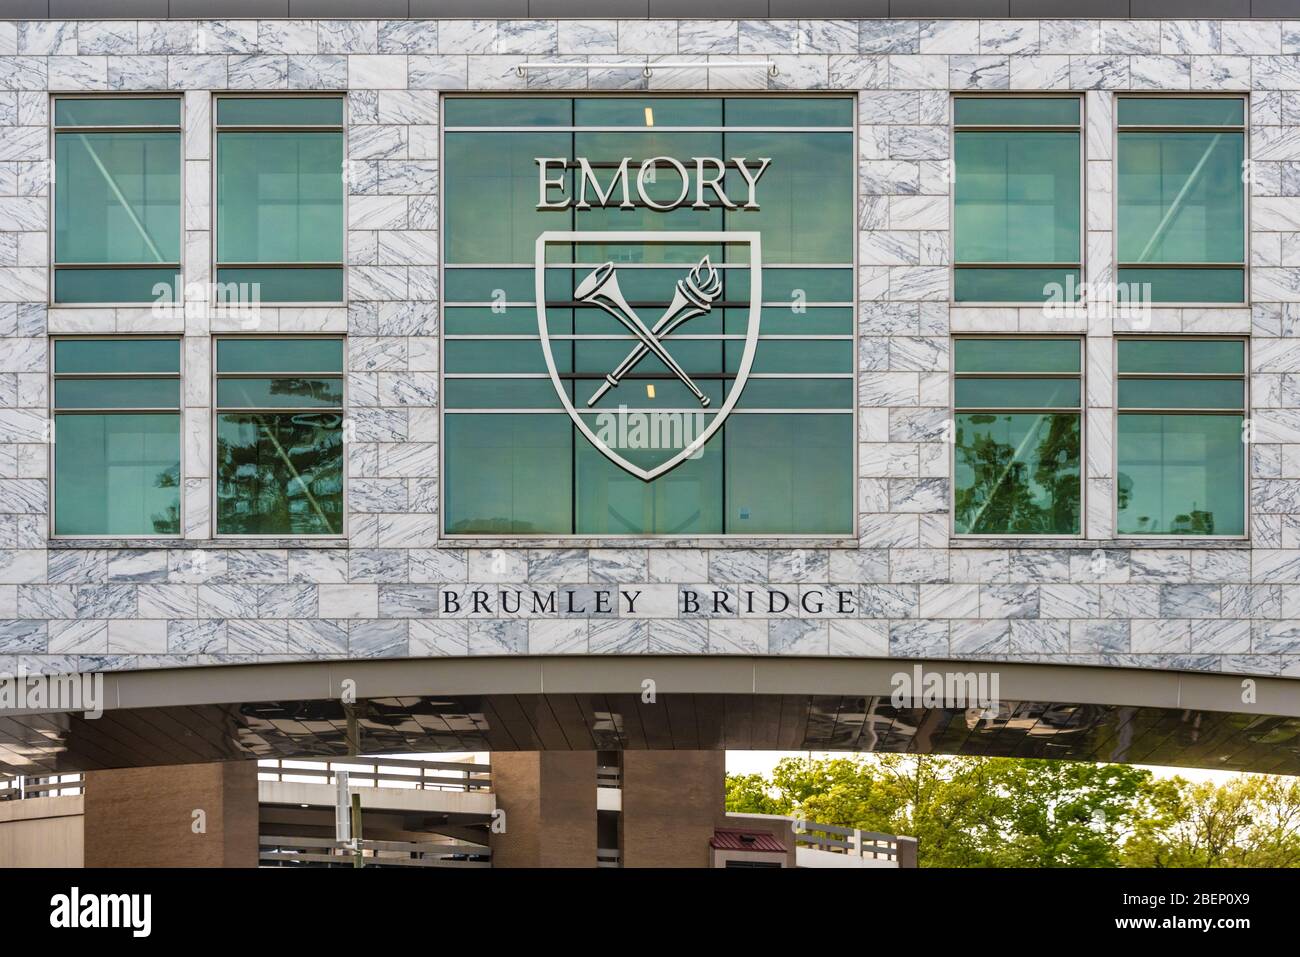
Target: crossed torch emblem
x=693, y=297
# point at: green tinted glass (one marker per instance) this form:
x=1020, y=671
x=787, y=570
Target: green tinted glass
x=117, y=198
x=504, y=285
x=279, y=197
x=987, y=392
x=1016, y=474
x=641, y=392
x=236, y=287
x=500, y=394
x=610, y=501
x=117, y=393
x=510, y=474
x=789, y=474
x=1017, y=197
x=779, y=321
x=117, y=355
x=506, y=111
x=495, y=480
x=775, y=356
x=647, y=111
x=1017, y=285
x=1180, y=111
x=1182, y=355
x=802, y=286
x=117, y=474
x=1139, y=285
x=117, y=111
x=770, y=111
x=280, y=111
x=797, y=394
x=1017, y=355
x=111, y=285
x=1181, y=198
x=286, y=392
x=509, y=356
x=512, y=321
x=1015, y=111
x=259, y=354
x=279, y=473
x=1181, y=475
x=490, y=204
x=1181, y=393
x=802, y=210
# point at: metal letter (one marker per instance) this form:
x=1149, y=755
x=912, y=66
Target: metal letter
x=543, y=162
x=751, y=180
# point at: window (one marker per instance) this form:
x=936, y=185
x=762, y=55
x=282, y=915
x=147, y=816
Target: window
x=516, y=461
x=1181, y=198
x=1180, y=455
x=117, y=199
x=279, y=436
x=279, y=199
x=1017, y=436
x=1017, y=198
x=117, y=445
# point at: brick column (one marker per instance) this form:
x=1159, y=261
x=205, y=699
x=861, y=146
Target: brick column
x=145, y=817
x=549, y=798
x=672, y=800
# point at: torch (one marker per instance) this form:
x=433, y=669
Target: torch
x=693, y=297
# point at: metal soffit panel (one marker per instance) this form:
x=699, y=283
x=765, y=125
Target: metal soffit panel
x=32, y=744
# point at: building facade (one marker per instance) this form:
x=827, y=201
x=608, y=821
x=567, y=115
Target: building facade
x=1020, y=381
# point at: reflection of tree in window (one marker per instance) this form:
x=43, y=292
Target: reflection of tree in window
x=1019, y=488
x=281, y=473
x=168, y=521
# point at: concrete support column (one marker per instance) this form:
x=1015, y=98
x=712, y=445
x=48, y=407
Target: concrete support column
x=146, y=817
x=549, y=799
x=672, y=801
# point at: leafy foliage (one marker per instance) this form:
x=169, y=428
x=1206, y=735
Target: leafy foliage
x=1012, y=812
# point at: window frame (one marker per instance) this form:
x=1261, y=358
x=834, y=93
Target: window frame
x=53, y=265
x=953, y=129
x=1081, y=410
x=1244, y=129
x=344, y=175
x=215, y=410
x=51, y=378
x=1244, y=376
x=596, y=539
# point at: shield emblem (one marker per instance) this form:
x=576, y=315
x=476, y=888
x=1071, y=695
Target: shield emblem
x=691, y=291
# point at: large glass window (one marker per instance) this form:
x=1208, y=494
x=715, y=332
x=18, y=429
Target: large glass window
x=1017, y=198
x=1180, y=453
x=1016, y=436
x=1181, y=229
x=516, y=460
x=279, y=436
x=117, y=445
x=279, y=199
x=117, y=199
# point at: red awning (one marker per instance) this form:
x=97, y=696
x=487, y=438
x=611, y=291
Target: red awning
x=729, y=840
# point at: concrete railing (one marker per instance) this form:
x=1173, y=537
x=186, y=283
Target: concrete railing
x=872, y=845
x=286, y=851
x=382, y=773
x=18, y=786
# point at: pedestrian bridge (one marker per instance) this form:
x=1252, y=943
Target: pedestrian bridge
x=336, y=708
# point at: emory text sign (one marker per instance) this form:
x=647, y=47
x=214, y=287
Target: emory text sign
x=709, y=176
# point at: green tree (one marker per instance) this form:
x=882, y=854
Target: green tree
x=1022, y=812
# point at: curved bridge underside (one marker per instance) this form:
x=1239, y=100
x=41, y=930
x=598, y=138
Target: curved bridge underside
x=336, y=708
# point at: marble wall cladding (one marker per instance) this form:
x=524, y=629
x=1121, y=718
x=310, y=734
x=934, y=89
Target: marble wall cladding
x=904, y=588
